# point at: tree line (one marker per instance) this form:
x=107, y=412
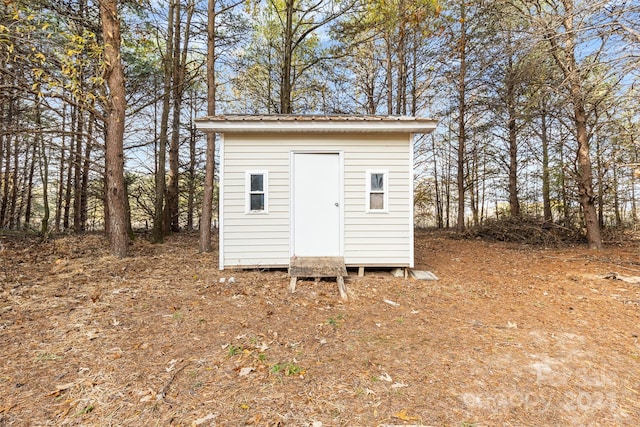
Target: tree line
x=537, y=102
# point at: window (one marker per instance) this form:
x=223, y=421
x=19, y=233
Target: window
x=257, y=184
x=377, y=197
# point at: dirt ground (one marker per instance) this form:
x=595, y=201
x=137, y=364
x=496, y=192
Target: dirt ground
x=509, y=335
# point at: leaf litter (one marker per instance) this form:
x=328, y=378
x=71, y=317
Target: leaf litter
x=510, y=334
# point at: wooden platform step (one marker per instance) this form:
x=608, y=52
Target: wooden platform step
x=318, y=267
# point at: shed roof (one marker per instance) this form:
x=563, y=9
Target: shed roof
x=279, y=123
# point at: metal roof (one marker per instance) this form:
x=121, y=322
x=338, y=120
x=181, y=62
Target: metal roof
x=293, y=123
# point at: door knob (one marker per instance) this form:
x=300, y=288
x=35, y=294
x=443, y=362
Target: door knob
x=337, y=204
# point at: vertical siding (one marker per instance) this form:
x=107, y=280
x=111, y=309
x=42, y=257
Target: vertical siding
x=383, y=239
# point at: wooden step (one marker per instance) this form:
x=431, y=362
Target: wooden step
x=318, y=267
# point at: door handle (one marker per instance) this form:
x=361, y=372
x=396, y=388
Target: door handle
x=337, y=204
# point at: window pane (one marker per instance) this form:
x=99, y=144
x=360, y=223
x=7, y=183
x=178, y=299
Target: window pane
x=257, y=182
x=376, y=201
x=257, y=202
x=377, y=182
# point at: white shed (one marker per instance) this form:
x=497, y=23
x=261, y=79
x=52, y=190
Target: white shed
x=316, y=186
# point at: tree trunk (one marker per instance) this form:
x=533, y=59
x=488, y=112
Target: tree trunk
x=634, y=207
x=565, y=56
x=585, y=180
x=389, y=72
x=105, y=206
x=448, y=178
x=67, y=194
x=461, y=119
x=29, y=195
x=473, y=185
x=482, y=191
x=514, y=203
x=157, y=234
x=207, y=197
x=436, y=181
x=59, y=198
x=172, y=205
x=370, y=91
x=14, y=180
x=401, y=65
x=600, y=182
x=285, y=84
x=77, y=173
x=114, y=138
x=191, y=180
x=23, y=186
x=179, y=72
x=562, y=183
x=546, y=180
x=6, y=156
x=616, y=196
x=3, y=132
x=414, y=76
x=84, y=182
x=6, y=180
x=44, y=175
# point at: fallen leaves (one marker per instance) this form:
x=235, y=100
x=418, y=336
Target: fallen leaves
x=7, y=408
x=147, y=395
x=401, y=362
x=246, y=371
x=402, y=415
x=616, y=276
x=171, y=365
x=399, y=385
x=62, y=387
x=209, y=418
x=59, y=265
x=385, y=377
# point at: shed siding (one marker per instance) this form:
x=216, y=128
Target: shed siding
x=369, y=238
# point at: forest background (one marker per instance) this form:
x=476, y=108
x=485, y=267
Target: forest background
x=537, y=102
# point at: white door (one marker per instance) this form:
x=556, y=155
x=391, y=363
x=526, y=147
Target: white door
x=316, y=204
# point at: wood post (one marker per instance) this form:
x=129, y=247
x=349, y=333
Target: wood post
x=342, y=288
x=318, y=267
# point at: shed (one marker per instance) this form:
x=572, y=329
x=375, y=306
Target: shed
x=315, y=186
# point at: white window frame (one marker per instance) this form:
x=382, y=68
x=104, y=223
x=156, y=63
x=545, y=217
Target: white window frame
x=385, y=190
x=265, y=191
